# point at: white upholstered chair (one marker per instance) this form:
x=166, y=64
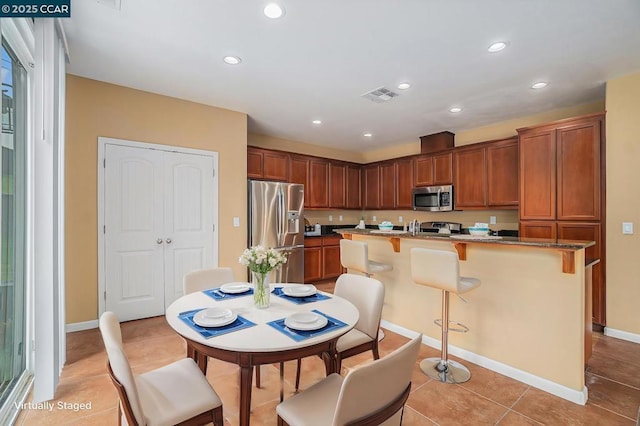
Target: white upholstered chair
x=204, y=279
x=367, y=294
x=440, y=269
x=369, y=395
x=169, y=395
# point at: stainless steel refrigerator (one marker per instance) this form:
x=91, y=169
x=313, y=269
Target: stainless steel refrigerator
x=276, y=216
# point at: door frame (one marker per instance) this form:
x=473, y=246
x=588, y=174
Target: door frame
x=102, y=144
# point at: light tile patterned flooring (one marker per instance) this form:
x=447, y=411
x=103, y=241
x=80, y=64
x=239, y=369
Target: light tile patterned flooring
x=612, y=376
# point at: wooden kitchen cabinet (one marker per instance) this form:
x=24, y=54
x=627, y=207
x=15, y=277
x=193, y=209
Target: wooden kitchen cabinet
x=538, y=229
x=371, y=186
x=388, y=185
x=470, y=178
x=433, y=170
x=561, y=181
x=299, y=173
x=589, y=231
x=331, y=266
x=267, y=164
x=318, y=183
x=353, y=187
x=578, y=170
x=321, y=258
x=404, y=183
x=337, y=185
x=312, y=259
x=502, y=173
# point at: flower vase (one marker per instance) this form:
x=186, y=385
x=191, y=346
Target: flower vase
x=261, y=291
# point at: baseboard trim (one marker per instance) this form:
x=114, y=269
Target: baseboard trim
x=620, y=334
x=80, y=326
x=575, y=396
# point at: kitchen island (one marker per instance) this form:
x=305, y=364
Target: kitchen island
x=529, y=320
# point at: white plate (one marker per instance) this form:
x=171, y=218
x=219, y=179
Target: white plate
x=215, y=317
x=305, y=321
x=300, y=290
x=233, y=288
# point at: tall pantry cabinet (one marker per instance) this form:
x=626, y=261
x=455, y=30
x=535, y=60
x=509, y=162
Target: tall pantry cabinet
x=562, y=189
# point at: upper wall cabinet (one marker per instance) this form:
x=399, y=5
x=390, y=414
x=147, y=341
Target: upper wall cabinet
x=404, y=183
x=267, y=164
x=470, y=177
x=371, y=186
x=433, y=169
x=560, y=170
x=337, y=185
x=388, y=185
x=318, y=183
x=502, y=173
x=299, y=173
x=353, y=187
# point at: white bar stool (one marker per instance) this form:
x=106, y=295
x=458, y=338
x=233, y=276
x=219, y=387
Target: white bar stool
x=441, y=269
x=355, y=255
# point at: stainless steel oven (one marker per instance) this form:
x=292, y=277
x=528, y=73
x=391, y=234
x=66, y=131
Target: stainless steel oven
x=433, y=198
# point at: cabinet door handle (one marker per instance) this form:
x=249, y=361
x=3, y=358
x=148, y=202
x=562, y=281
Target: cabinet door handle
x=168, y=240
x=159, y=241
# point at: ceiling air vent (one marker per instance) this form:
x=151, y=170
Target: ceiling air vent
x=379, y=95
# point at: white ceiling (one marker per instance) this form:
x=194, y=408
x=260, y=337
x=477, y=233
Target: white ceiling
x=316, y=61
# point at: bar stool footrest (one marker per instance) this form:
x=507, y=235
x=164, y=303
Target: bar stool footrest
x=458, y=327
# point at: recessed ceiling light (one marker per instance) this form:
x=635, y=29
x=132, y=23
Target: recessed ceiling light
x=539, y=85
x=497, y=46
x=317, y=121
x=367, y=135
x=455, y=109
x=232, y=60
x=273, y=11
x=403, y=86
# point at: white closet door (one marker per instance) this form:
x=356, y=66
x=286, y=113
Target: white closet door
x=134, y=238
x=189, y=218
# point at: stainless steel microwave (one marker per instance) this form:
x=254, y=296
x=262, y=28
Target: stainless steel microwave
x=433, y=198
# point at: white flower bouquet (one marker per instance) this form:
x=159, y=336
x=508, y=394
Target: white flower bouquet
x=261, y=261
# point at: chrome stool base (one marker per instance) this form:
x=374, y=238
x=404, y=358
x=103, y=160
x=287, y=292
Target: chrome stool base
x=445, y=372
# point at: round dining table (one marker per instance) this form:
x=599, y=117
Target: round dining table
x=261, y=343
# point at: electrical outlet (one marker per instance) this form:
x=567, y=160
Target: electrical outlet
x=627, y=228
x=400, y=219
x=340, y=218
x=330, y=218
x=492, y=220
x=236, y=222
x=374, y=218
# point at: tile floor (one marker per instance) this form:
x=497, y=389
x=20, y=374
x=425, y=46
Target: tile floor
x=612, y=376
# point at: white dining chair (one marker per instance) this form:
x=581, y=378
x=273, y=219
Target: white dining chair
x=204, y=279
x=169, y=395
x=367, y=294
x=369, y=395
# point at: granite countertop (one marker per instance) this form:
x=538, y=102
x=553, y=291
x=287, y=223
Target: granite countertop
x=465, y=238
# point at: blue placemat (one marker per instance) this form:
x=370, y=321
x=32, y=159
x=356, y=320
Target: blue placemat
x=208, y=332
x=300, y=300
x=299, y=335
x=219, y=295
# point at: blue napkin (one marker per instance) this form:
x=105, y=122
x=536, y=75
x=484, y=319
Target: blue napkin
x=209, y=332
x=299, y=335
x=300, y=300
x=219, y=295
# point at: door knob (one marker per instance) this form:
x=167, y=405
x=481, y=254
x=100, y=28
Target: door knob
x=168, y=240
x=159, y=241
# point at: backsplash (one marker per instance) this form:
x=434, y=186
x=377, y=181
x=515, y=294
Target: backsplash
x=505, y=219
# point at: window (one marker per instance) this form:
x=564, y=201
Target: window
x=12, y=223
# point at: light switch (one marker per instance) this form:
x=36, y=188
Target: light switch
x=374, y=218
x=340, y=218
x=492, y=220
x=627, y=228
x=400, y=219
x=330, y=218
x=236, y=222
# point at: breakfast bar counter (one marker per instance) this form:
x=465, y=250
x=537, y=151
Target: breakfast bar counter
x=529, y=319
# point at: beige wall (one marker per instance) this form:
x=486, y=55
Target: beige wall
x=99, y=109
x=623, y=203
